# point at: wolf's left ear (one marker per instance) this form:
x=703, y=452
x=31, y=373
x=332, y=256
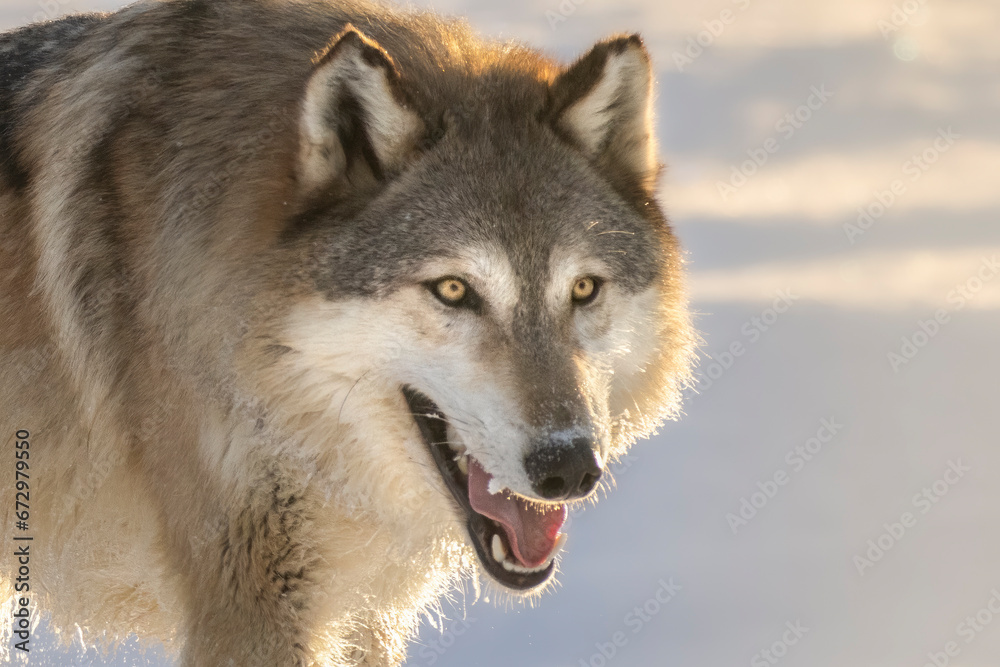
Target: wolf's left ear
x=603, y=105
x=356, y=120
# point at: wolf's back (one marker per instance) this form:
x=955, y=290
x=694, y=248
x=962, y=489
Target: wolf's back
x=23, y=54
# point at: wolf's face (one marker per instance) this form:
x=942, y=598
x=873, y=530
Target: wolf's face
x=506, y=296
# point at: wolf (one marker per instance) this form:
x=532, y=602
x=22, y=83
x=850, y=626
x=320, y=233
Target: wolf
x=311, y=311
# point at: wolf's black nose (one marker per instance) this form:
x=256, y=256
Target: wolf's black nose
x=563, y=470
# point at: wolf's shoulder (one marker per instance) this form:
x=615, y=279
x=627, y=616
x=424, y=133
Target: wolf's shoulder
x=25, y=52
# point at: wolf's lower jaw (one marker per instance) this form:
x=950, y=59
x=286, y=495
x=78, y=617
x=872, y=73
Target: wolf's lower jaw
x=488, y=536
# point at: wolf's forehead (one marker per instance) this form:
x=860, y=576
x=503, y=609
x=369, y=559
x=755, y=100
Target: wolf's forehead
x=549, y=255
x=511, y=220
x=507, y=263
x=543, y=217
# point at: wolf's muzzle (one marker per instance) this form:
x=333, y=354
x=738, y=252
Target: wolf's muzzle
x=561, y=470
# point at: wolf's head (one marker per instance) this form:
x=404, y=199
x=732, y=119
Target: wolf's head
x=493, y=309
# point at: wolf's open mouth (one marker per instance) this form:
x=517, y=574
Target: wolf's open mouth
x=517, y=540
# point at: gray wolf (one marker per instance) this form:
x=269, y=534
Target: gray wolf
x=311, y=310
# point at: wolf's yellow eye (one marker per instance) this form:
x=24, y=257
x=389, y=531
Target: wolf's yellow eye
x=585, y=290
x=451, y=290
x=455, y=293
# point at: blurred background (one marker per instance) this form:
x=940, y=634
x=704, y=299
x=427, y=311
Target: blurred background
x=832, y=494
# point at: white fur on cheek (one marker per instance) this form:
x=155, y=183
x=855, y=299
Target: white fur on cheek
x=351, y=360
x=635, y=345
x=635, y=334
x=361, y=431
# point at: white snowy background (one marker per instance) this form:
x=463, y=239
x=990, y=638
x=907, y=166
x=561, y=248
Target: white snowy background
x=918, y=279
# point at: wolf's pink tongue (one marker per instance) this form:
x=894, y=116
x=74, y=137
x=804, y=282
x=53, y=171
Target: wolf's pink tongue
x=531, y=531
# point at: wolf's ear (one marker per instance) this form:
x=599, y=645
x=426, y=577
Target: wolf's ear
x=603, y=105
x=356, y=120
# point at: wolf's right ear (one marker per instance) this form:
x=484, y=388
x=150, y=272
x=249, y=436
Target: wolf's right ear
x=355, y=119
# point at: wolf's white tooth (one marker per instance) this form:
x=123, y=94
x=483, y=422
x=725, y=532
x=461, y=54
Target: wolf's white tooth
x=511, y=566
x=560, y=542
x=463, y=465
x=499, y=552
